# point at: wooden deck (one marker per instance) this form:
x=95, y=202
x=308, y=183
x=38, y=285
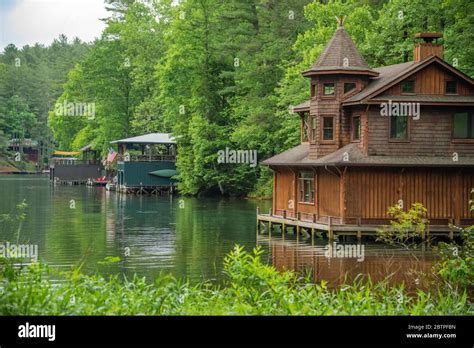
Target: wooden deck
x=332, y=227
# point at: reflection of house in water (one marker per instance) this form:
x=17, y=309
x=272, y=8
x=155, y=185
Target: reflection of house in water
x=379, y=263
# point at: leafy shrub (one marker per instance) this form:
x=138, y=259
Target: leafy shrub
x=251, y=288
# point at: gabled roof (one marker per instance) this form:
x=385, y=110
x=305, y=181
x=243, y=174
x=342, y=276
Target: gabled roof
x=298, y=156
x=340, y=56
x=392, y=74
x=152, y=138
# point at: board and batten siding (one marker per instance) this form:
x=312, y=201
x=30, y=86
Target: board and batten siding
x=444, y=192
x=431, y=81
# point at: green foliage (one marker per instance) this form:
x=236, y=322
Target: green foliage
x=215, y=73
x=407, y=226
x=31, y=79
x=252, y=288
x=456, y=267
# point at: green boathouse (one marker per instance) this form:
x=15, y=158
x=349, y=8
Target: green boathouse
x=146, y=163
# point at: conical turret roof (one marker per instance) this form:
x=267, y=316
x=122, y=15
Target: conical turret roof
x=340, y=56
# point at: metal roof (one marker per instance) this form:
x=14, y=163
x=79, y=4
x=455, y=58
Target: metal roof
x=152, y=138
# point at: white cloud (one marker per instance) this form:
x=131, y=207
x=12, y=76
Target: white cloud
x=32, y=21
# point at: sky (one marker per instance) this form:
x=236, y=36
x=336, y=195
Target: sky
x=26, y=22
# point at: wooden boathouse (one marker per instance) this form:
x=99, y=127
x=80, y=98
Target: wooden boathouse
x=75, y=167
x=373, y=138
x=146, y=163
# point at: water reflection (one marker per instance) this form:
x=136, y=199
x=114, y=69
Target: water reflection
x=381, y=262
x=187, y=237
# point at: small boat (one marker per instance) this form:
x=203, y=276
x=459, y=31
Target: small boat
x=110, y=186
x=101, y=181
x=164, y=173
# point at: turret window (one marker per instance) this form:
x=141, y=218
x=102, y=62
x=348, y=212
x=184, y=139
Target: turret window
x=328, y=128
x=313, y=128
x=356, y=128
x=349, y=86
x=329, y=89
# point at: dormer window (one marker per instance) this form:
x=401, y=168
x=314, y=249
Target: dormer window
x=349, y=86
x=329, y=89
x=451, y=87
x=408, y=87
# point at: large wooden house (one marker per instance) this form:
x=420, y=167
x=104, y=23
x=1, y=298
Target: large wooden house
x=372, y=138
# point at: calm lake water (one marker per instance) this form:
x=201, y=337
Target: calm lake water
x=187, y=237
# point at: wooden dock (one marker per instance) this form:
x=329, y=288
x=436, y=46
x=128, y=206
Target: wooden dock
x=332, y=228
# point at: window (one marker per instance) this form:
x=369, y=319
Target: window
x=349, y=86
x=313, y=89
x=463, y=125
x=328, y=89
x=313, y=128
x=356, y=128
x=306, y=182
x=451, y=87
x=399, y=127
x=408, y=86
x=328, y=128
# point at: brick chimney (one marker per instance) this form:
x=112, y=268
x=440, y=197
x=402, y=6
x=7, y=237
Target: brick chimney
x=427, y=47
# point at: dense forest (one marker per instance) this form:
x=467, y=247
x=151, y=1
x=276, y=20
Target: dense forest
x=216, y=74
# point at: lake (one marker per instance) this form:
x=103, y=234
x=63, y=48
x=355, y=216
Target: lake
x=187, y=237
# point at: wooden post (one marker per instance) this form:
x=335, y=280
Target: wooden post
x=330, y=232
x=258, y=221
x=298, y=217
x=359, y=236
x=283, y=223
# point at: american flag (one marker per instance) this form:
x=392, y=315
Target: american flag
x=111, y=155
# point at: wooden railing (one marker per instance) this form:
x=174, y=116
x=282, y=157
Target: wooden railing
x=150, y=158
x=355, y=221
x=70, y=162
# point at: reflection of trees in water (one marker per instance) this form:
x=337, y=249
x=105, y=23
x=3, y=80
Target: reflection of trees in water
x=380, y=262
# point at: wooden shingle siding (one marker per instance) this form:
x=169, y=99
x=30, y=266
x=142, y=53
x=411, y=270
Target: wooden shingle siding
x=321, y=106
x=431, y=135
